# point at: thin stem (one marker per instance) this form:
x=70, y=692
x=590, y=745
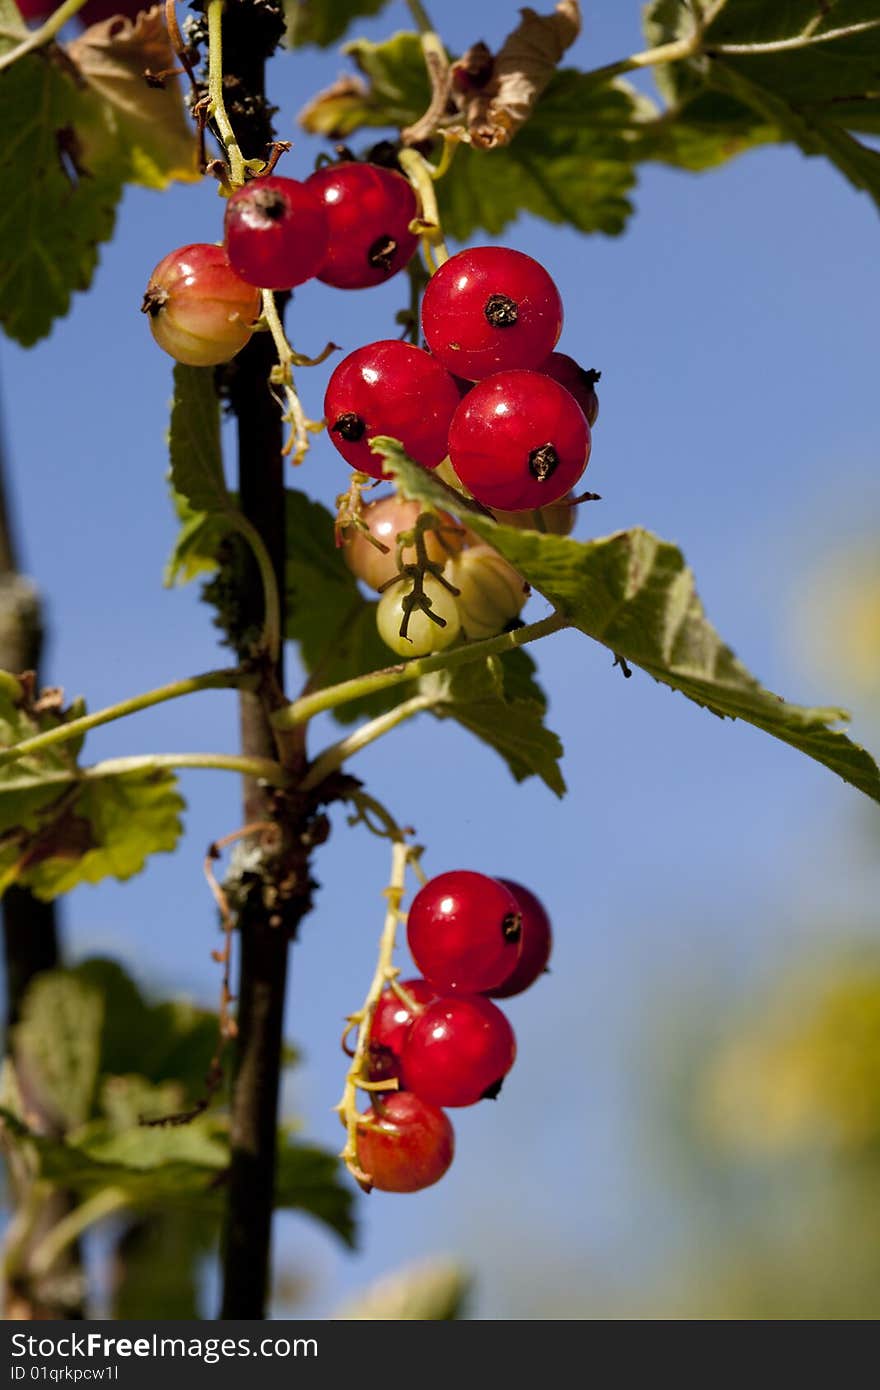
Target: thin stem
x=217, y=105
x=271, y=596
x=282, y=376
x=264, y=769
x=804, y=40
x=211, y=680
x=334, y=756
x=104, y=1203
x=303, y=709
x=420, y=16
x=674, y=52
x=357, y=1076
x=418, y=171
x=44, y=34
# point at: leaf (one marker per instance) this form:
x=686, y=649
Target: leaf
x=196, y=454
x=158, y=1266
x=434, y=1290
x=146, y=126
x=55, y=211
x=309, y=1179
x=178, y=1166
x=197, y=542
x=571, y=162
x=328, y=616
x=520, y=71
x=316, y=22
x=57, y=1046
x=102, y=825
x=634, y=593
x=477, y=696
x=800, y=72
x=32, y=781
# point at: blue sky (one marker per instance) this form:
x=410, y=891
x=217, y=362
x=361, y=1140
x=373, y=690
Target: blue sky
x=735, y=326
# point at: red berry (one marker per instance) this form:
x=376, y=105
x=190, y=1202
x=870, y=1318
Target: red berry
x=491, y=310
x=537, y=940
x=404, y=1144
x=391, y=1023
x=519, y=440
x=580, y=383
x=36, y=9
x=93, y=11
x=390, y=388
x=464, y=931
x=458, y=1051
x=369, y=210
x=276, y=232
x=200, y=311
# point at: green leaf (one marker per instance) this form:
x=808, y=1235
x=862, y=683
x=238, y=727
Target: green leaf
x=52, y=217
x=157, y=1261
x=32, y=781
x=571, y=162
x=315, y=21
x=309, y=1179
x=479, y=698
x=635, y=594
x=57, y=1046
x=196, y=453
x=197, y=543
x=334, y=625
x=798, y=72
x=435, y=1290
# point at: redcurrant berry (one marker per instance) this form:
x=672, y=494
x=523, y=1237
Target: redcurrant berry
x=369, y=210
x=385, y=519
x=423, y=635
x=391, y=1023
x=35, y=9
x=464, y=931
x=581, y=384
x=519, y=440
x=491, y=310
x=458, y=1051
x=403, y=1143
x=276, y=232
x=490, y=592
x=94, y=11
x=390, y=388
x=537, y=941
x=200, y=311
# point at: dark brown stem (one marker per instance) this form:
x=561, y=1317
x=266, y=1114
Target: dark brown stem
x=274, y=892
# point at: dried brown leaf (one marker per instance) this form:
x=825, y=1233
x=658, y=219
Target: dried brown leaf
x=523, y=67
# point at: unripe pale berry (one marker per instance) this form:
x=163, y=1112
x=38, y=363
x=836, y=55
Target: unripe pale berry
x=490, y=309
x=519, y=440
x=491, y=592
x=404, y=1143
x=276, y=232
x=369, y=210
x=556, y=520
x=200, y=311
x=423, y=635
x=385, y=519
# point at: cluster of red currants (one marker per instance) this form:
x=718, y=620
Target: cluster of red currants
x=347, y=225
x=440, y=1037
x=512, y=415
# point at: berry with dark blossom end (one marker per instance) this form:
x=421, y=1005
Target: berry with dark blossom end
x=519, y=440
x=369, y=210
x=390, y=388
x=201, y=313
x=464, y=931
x=404, y=1143
x=276, y=232
x=537, y=942
x=458, y=1051
x=391, y=1023
x=581, y=383
x=491, y=309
